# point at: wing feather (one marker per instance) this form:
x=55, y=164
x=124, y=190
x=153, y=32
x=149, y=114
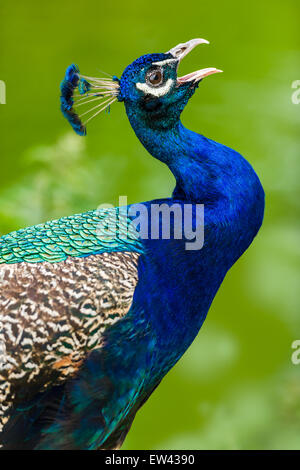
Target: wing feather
x=52, y=314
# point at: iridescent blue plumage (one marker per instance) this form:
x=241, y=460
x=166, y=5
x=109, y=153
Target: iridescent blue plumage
x=156, y=292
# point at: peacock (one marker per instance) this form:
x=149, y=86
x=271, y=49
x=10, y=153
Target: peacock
x=96, y=308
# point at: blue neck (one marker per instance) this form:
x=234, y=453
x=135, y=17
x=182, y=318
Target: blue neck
x=207, y=172
x=218, y=177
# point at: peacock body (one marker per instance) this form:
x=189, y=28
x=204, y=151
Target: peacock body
x=92, y=316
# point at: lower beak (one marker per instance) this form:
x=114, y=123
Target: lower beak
x=195, y=77
x=180, y=51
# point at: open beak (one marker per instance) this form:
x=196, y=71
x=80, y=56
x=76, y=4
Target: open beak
x=180, y=51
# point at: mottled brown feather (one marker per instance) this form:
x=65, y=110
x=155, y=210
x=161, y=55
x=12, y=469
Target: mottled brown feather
x=53, y=314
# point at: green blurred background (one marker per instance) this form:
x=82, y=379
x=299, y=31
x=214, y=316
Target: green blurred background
x=236, y=387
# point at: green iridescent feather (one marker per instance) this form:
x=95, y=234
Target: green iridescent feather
x=79, y=235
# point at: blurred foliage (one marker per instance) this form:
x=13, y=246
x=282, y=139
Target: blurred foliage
x=236, y=387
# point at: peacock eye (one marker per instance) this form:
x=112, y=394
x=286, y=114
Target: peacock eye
x=155, y=77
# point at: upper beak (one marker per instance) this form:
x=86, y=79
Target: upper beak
x=180, y=51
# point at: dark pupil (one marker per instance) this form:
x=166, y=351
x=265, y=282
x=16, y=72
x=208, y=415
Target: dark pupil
x=155, y=77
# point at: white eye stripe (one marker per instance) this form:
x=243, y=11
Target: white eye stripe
x=165, y=62
x=158, y=91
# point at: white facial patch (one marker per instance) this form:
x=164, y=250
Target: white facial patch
x=165, y=62
x=156, y=91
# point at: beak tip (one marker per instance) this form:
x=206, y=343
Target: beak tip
x=182, y=49
x=198, y=41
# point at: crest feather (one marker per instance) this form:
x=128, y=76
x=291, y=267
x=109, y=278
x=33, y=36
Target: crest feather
x=78, y=91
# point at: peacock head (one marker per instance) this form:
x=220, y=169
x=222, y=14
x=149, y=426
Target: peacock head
x=152, y=92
